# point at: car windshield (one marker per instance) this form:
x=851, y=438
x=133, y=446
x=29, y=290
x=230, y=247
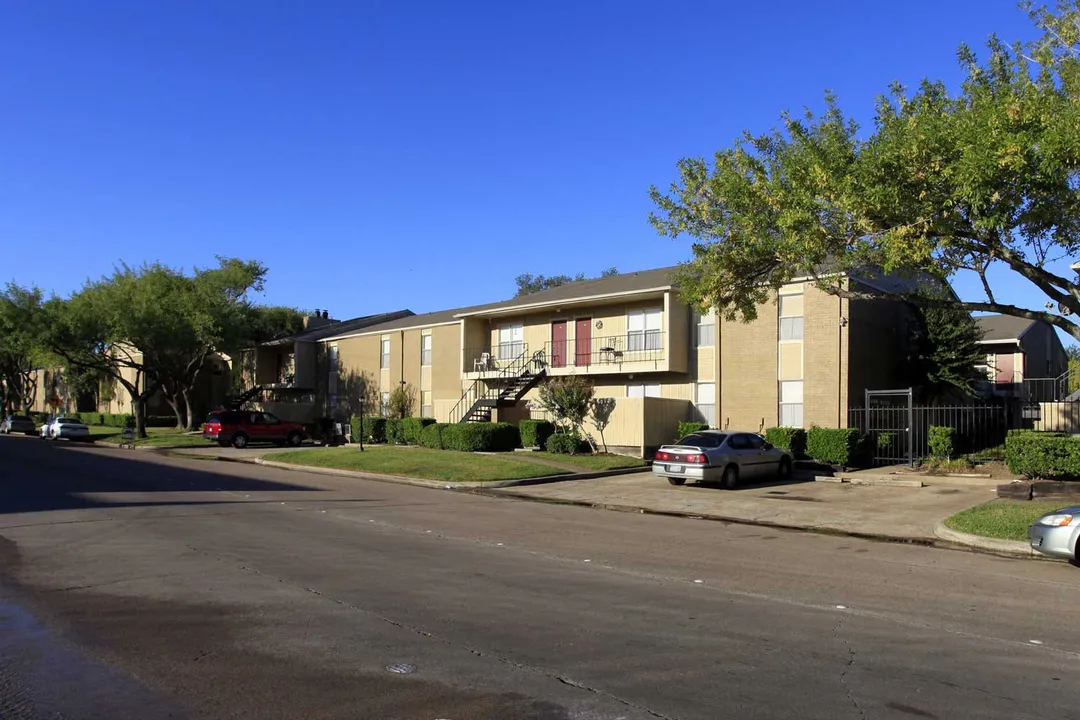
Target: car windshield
x=70, y=421
x=707, y=440
x=24, y=418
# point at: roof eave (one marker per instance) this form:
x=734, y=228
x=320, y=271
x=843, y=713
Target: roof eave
x=511, y=309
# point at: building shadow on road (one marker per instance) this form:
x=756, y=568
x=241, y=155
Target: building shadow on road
x=40, y=476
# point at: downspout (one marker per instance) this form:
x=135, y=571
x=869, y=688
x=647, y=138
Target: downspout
x=402, y=363
x=839, y=360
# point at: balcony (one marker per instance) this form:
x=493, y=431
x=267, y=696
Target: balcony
x=631, y=353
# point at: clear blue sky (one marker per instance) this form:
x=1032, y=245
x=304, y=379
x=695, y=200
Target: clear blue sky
x=391, y=153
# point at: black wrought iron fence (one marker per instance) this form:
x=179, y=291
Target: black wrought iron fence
x=901, y=435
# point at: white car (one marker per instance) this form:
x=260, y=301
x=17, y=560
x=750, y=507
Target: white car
x=65, y=427
x=721, y=456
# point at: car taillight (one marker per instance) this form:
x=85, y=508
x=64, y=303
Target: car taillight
x=698, y=459
x=663, y=456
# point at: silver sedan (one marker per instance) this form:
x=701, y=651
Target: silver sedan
x=721, y=456
x=1056, y=533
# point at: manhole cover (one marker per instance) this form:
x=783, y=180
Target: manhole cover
x=401, y=669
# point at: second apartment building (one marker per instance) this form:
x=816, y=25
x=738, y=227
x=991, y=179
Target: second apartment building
x=800, y=363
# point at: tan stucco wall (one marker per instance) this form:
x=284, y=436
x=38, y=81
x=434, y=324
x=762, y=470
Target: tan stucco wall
x=747, y=392
x=824, y=363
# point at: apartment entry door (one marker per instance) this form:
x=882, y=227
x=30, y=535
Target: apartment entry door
x=583, y=341
x=558, y=344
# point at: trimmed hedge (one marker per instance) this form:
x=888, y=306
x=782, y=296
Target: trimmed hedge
x=836, y=446
x=412, y=427
x=481, y=437
x=121, y=420
x=91, y=418
x=942, y=442
x=535, y=433
x=395, y=432
x=567, y=443
x=787, y=438
x=685, y=428
x=432, y=436
x=1043, y=455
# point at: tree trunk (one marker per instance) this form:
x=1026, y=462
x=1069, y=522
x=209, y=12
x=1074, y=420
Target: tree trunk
x=175, y=401
x=190, y=410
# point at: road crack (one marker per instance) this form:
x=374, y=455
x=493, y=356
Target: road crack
x=562, y=679
x=847, y=668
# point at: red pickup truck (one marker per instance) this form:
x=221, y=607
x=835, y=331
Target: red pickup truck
x=241, y=427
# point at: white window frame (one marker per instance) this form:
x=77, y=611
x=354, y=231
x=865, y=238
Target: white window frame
x=791, y=326
x=384, y=354
x=427, y=410
x=705, y=402
x=385, y=401
x=791, y=404
x=511, y=342
x=425, y=350
x=643, y=390
x=705, y=330
x=645, y=330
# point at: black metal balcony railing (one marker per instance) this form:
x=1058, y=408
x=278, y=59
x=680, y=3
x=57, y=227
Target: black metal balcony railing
x=610, y=350
x=492, y=358
x=283, y=395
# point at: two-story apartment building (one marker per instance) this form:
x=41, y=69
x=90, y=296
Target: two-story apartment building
x=797, y=364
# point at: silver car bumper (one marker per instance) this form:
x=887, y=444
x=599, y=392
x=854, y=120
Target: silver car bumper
x=691, y=473
x=1056, y=542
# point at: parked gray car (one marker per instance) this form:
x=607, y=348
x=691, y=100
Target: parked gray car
x=721, y=456
x=1056, y=533
x=18, y=424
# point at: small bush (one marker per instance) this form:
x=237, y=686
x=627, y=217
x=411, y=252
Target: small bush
x=787, y=438
x=1043, y=455
x=432, y=436
x=836, y=446
x=481, y=437
x=567, y=443
x=395, y=431
x=121, y=420
x=375, y=429
x=411, y=427
x=92, y=418
x=39, y=417
x=161, y=421
x=535, y=433
x=685, y=428
x=942, y=442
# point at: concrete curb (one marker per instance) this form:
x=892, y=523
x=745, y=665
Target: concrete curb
x=1013, y=548
x=442, y=484
x=871, y=480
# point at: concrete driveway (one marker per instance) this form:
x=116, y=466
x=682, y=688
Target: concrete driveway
x=900, y=512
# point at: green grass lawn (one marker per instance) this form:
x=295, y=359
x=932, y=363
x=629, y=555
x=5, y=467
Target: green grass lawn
x=1003, y=519
x=446, y=465
x=158, y=437
x=587, y=462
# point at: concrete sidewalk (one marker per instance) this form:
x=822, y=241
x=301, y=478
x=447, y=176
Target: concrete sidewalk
x=901, y=513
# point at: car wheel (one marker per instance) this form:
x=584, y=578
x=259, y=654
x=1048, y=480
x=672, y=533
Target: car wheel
x=294, y=439
x=239, y=441
x=730, y=478
x=784, y=471
x=677, y=481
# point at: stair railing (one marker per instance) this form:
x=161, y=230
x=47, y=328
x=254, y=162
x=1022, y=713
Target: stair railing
x=478, y=392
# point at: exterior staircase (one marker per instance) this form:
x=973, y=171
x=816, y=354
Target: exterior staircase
x=514, y=380
x=244, y=398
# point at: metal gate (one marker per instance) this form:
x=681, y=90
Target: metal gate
x=888, y=419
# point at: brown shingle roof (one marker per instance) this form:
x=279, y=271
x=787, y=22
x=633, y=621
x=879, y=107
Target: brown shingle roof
x=1002, y=328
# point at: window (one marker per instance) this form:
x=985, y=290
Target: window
x=791, y=403
x=385, y=403
x=706, y=330
x=706, y=402
x=791, y=320
x=425, y=352
x=511, y=341
x=384, y=356
x=703, y=440
x=427, y=408
x=644, y=330
x=643, y=390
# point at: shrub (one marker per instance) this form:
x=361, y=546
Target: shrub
x=787, y=438
x=942, y=442
x=535, y=433
x=374, y=429
x=685, y=428
x=39, y=417
x=432, y=436
x=395, y=432
x=1043, y=455
x=481, y=437
x=836, y=446
x=161, y=421
x=411, y=427
x=92, y=418
x=121, y=420
x=567, y=443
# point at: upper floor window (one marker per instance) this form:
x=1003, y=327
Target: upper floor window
x=333, y=358
x=640, y=390
x=511, y=341
x=384, y=356
x=644, y=330
x=791, y=317
x=705, y=330
x=425, y=350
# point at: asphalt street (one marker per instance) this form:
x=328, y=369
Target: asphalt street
x=134, y=585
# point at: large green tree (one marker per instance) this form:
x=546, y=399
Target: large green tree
x=943, y=353
x=983, y=179
x=20, y=353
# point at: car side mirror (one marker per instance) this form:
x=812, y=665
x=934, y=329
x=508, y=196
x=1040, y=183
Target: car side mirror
x=768, y=446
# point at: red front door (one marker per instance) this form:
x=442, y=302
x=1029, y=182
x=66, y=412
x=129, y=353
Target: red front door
x=558, y=343
x=583, y=341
